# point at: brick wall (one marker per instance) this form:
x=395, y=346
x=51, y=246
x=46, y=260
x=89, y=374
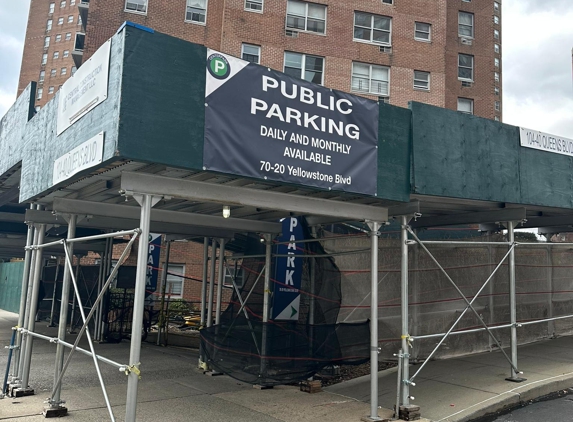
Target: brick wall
x=187, y=253
x=482, y=48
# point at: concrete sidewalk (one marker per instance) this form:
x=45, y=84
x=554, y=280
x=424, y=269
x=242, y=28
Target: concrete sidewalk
x=172, y=389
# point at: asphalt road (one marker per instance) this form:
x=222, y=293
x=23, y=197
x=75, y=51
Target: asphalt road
x=558, y=410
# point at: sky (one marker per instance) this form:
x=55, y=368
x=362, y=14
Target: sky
x=537, y=38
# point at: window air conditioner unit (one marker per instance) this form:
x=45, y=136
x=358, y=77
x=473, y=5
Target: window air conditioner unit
x=291, y=33
x=466, y=41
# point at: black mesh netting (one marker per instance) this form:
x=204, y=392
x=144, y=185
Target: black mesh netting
x=293, y=350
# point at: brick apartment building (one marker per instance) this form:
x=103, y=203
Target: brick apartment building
x=443, y=52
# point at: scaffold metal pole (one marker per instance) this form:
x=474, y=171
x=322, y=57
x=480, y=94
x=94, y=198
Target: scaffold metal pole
x=209, y=315
x=23, y=297
x=62, y=322
x=221, y=277
x=41, y=228
x=133, y=370
x=512, y=304
x=374, y=349
x=404, y=310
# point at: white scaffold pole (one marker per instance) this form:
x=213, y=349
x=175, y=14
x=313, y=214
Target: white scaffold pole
x=513, y=305
x=221, y=277
x=405, y=317
x=23, y=297
x=41, y=228
x=55, y=401
x=138, y=305
x=374, y=349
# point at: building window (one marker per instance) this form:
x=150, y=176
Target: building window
x=496, y=118
x=251, y=53
x=44, y=59
x=79, y=19
x=465, y=67
x=421, y=80
x=234, y=276
x=51, y=90
x=496, y=76
x=74, y=70
x=497, y=106
x=40, y=93
x=467, y=1
x=466, y=24
x=496, y=34
x=306, y=16
x=64, y=71
x=466, y=105
x=496, y=48
x=139, y=6
x=49, y=25
x=254, y=5
x=60, y=21
x=62, y=4
x=496, y=91
x=304, y=66
x=423, y=31
x=388, y=1
x=496, y=19
x=68, y=36
x=58, y=37
x=66, y=53
x=46, y=42
x=370, y=79
x=72, y=2
x=496, y=62
x=196, y=11
x=42, y=76
x=372, y=28
x=52, y=7
x=56, y=54
x=53, y=72
x=70, y=19
x=174, y=281
x=496, y=6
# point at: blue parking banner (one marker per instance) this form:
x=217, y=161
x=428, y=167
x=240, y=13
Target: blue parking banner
x=288, y=271
x=154, y=251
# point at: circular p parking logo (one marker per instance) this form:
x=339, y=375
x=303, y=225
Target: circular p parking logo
x=218, y=66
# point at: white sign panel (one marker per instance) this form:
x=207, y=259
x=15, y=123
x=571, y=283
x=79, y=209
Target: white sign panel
x=87, y=155
x=545, y=142
x=85, y=90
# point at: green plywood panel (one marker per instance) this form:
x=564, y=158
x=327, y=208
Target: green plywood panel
x=13, y=128
x=11, y=285
x=41, y=146
x=546, y=178
x=163, y=100
x=394, y=132
x=462, y=156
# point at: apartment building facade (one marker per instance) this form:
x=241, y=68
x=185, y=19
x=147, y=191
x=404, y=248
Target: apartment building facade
x=441, y=52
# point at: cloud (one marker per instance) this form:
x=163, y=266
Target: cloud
x=13, y=18
x=537, y=72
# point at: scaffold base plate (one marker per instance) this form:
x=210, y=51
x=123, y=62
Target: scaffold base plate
x=22, y=392
x=55, y=412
